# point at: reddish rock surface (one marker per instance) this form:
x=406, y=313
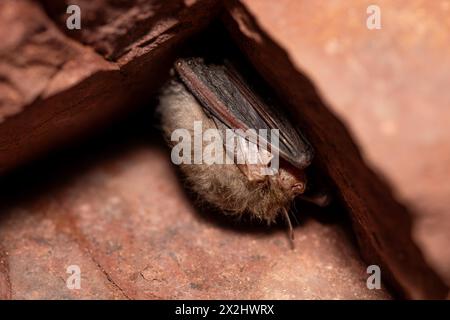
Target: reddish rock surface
x=36, y=60
x=120, y=30
x=54, y=89
x=389, y=88
x=122, y=215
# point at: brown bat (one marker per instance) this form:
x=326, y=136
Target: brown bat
x=218, y=96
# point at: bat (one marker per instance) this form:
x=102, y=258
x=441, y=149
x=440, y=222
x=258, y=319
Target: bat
x=219, y=97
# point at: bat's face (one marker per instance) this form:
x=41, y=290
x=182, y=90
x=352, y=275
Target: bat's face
x=292, y=180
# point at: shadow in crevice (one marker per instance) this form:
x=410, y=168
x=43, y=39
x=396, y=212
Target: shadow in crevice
x=60, y=167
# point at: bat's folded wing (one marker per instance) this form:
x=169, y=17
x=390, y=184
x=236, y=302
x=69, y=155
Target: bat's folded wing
x=225, y=96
